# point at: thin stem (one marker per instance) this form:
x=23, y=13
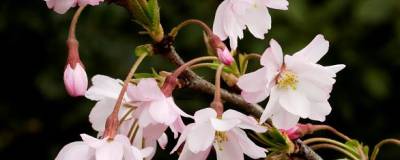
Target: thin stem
x=125, y=116
x=217, y=93
x=331, y=129
x=380, y=144
x=201, y=65
x=252, y=56
x=72, y=27
x=133, y=130
x=192, y=62
x=203, y=25
x=217, y=103
x=326, y=140
x=110, y=128
x=331, y=146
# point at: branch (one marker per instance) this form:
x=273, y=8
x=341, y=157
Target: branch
x=195, y=82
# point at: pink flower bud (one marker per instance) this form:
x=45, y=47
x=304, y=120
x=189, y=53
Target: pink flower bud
x=298, y=131
x=225, y=56
x=75, y=80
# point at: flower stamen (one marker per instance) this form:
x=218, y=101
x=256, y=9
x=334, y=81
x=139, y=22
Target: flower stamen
x=287, y=79
x=220, y=137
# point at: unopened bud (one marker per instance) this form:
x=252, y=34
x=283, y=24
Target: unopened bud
x=75, y=78
x=222, y=51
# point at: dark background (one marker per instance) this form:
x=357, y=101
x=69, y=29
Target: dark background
x=37, y=117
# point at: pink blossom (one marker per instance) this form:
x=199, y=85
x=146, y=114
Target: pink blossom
x=92, y=148
x=62, y=6
x=225, y=134
x=297, y=86
x=75, y=79
x=233, y=16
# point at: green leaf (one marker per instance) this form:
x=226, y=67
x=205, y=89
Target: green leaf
x=138, y=12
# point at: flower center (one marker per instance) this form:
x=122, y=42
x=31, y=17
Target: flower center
x=287, y=79
x=220, y=137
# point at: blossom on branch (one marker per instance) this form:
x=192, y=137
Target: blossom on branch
x=224, y=133
x=92, y=148
x=62, y=6
x=297, y=86
x=234, y=16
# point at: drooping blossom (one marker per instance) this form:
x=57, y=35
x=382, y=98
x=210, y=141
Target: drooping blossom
x=296, y=85
x=234, y=16
x=224, y=133
x=154, y=108
x=118, y=148
x=62, y=6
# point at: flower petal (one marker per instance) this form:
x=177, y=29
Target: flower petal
x=229, y=149
x=163, y=140
x=201, y=137
x=218, y=27
x=272, y=58
x=295, y=102
x=146, y=90
x=277, y=4
x=284, y=119
x=204, y=115
x=247, y=122
x=104, y=87
x=161, y=112
x=189, y=155
x=254, y=81
x=315, y=50
x=110, y=151
x=91, y=141
x=320, y=111
x=76, y=151
x=248, y=147
x=224, y=124
x=257, y=20
x=182, y=138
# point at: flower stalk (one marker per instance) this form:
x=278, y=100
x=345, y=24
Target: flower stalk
x=380, y=144
x=112, y=122
x=217, y=103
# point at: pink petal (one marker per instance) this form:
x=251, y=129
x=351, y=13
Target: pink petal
x=204, y=115
x=175, y=108
x=146, y=90
x=75, y=80
x=75, y=151
x=182, y=138
x=314, y=51
x=320, y=111
x=110, y=151
x=272, y=58
x=163, y=140
x=229, y=149
x=257, y=20
x=271, y=108
x=284, y=119
x=177, y=127
x=225, y=56
x=247, y=122
x=91, y=141
x=104, y=87
x=60, y=6
x=201, y=137
x=189, y=155
x=254, y=81
x=277, y=4
x=154, y=131
x=146, y=152
x=295, y=102
x=90, y=2
x=248, y=147
x=255, y=97
x=218, y=27
x=161, y=112
x=99, y=113
x=224, y=124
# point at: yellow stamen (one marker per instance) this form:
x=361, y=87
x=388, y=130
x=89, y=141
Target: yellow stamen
x=220, y=137
x=287, y=79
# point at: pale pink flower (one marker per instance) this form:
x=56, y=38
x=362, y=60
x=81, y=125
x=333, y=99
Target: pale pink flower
x=75, y=79
x=224, y=133
x=62, y=6
x=154, y=107
x=234, y=16
x=296, y=85
x=119, y=148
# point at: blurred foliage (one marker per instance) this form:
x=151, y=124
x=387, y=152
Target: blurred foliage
x=37, y=117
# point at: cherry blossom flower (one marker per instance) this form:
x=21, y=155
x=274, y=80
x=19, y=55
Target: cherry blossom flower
x=233, y=16
x=62, y=6
x=296, y=85
x=91, y=148
x=75, y=79
x=224, y=133
x=154, y=108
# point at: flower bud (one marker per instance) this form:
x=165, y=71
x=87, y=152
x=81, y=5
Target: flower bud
x=222, y=51
x=225, y=56
x=75, y=78
x=298, y=131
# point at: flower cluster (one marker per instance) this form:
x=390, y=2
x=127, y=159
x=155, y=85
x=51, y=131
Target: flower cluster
x=131, y=117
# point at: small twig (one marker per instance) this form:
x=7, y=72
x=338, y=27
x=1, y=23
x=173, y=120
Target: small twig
x=331, y=141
